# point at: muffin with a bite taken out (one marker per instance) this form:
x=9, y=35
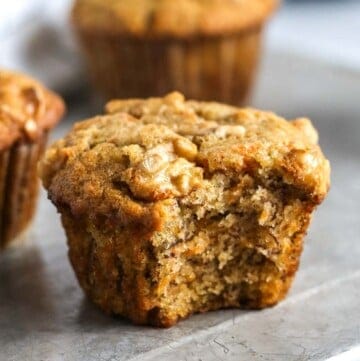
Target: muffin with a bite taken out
x=173, y=207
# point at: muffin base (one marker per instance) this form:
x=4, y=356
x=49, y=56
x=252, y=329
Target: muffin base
x=230, y=261
x=18, y=188
x=207, y=68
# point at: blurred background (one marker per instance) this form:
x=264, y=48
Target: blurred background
x=36, y=37
x=310, y=64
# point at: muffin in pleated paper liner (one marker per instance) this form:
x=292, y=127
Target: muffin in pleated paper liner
x=173, y=207
x=28, y=111
x=209, y=50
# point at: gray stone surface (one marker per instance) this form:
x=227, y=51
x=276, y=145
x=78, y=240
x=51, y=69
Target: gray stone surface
x=44, y=316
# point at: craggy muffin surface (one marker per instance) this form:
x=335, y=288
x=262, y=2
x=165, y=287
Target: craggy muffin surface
x=27, y=108
x=27, y=112
x=173, y=207
x=171, y=18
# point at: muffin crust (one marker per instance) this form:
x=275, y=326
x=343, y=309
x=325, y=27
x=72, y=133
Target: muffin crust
x=173, y=207
x=27, y=109
x=27, y=112
x=168, y=18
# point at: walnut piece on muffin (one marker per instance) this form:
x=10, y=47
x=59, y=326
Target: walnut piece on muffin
x=28, y=111
x=173, y=207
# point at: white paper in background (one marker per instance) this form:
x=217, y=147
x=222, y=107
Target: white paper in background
x=353, y=355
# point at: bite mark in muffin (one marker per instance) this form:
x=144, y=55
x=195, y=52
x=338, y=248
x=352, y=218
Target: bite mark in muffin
x=173, y=207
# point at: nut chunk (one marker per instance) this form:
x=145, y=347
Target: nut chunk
x=173, y=207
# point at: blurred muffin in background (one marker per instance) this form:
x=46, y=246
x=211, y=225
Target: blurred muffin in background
x=28, y=112
x=209, y=50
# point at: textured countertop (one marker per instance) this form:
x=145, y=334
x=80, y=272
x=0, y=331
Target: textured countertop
x=44, y=315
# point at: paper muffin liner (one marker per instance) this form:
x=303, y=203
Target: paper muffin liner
x=207, y=68
x=19, y=187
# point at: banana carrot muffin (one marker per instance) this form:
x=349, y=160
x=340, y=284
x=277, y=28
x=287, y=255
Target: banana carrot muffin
x=207, y=49
x=173, y=207
x=27, y=112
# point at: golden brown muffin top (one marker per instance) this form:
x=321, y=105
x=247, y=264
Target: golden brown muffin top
x=171, y=18
x=164, y=148
x=26, y=108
